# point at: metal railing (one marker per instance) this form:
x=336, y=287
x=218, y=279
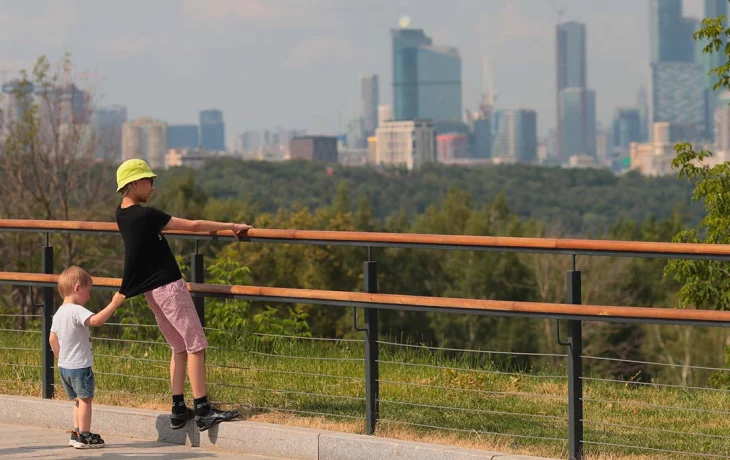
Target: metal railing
x=571, y=311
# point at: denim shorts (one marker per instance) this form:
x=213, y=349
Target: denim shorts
x=78, y=383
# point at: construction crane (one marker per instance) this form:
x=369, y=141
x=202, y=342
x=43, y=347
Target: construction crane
x=489, y=96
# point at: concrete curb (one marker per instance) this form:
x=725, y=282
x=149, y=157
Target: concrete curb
x=249, y=437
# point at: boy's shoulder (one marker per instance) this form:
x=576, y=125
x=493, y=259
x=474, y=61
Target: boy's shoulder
x=136, y=211
x=72, y=309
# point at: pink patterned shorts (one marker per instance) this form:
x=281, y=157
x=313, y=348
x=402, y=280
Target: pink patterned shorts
x=175, y=313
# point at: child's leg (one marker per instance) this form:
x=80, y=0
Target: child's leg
x=76, y=415
x=178, y=363
x=84, y=412
x=175, y=314
x=196, y=370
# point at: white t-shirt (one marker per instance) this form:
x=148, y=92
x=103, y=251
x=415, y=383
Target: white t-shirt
x=73, y=337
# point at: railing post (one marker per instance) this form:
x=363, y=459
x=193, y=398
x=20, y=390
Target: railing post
x=575, y=372
x=46, y=320
x=372, y=388
x=197, y=275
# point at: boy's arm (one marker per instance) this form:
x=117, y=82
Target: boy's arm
x=53, y=339
x=98, y=319
x=177, y=223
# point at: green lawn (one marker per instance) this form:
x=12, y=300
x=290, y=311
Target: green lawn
x=425, y=394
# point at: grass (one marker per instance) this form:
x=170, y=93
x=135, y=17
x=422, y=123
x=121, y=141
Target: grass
x=321, y=384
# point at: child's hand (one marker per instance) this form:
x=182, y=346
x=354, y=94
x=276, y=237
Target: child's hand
x=118, y=299
x=239, y=230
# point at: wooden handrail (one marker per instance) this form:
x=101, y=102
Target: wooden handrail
x=606, y=247
x=444, y=304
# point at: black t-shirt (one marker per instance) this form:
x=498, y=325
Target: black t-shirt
x=148, y=260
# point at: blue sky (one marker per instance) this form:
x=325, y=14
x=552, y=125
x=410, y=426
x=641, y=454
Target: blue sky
x=296, y=63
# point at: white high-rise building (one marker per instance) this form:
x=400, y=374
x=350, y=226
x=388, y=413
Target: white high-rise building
x=145, y=138
x=385, y=113
x=409, y=143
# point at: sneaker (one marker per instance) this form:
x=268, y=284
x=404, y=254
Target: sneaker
x=92, y=441
x=214, y=417
x=178, y=421
x=72, y=441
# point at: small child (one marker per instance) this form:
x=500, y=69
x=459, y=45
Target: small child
x=71, y=344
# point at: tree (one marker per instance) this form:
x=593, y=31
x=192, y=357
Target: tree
x=706, y=284
x=50, y=169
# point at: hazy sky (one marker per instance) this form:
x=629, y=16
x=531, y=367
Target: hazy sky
x=296, y=63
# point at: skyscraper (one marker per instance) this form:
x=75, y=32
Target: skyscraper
x=145, y=138
x=671, y=40
x=108, y=123
x=212, y=130
x=516, y=135
x=642, y=102
x=250, y=141
x=409, y=143
x=678, y=85
x=74, y=105
x=577, y=122
x=369, y=100
x=385, y=113
x=571, y=55
x=183, y=137
x=678, y=95
x=405, y=71
x=426, y=78
x=626, y=128
x=16, y=99
x=576, y=105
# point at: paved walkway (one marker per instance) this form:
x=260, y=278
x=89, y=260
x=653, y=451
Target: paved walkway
x=32, y=442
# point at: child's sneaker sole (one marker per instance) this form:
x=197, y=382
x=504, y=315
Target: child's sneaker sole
x=204, y=423
x=81, y=445
x=178, y=421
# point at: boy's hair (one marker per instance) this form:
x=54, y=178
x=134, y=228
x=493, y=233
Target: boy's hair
x=125, y=190
x=70, y=278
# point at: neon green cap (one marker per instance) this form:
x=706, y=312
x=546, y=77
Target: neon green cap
x=132, y=170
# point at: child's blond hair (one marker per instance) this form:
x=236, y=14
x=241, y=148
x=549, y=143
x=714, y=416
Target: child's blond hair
x=71, y=277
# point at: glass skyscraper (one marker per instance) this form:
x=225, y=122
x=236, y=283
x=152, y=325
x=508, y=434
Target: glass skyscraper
x=212, y=130
x=670, y=35
x=576, y=105
x=516, y=135
x=679, y=94
x=678, y=82
x=183, y=137
x=626, y=128
x=426, y=78
x=571, y=55
x=578, y=122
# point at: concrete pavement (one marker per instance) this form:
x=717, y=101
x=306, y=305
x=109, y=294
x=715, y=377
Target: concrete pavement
x=31, y=442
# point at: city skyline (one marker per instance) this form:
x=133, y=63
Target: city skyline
x=325, y=48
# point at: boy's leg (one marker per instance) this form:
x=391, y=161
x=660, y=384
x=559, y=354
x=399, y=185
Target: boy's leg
x=86, y=439
x=196, y=370
x=178, y=363
x=75, y=430
x=176, y=304
x=76, y=416
x=85, y=414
